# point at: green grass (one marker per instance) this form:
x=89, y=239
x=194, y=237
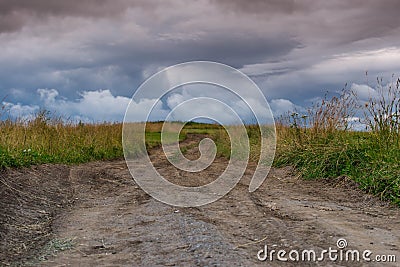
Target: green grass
x=45, y=139
x=49, y=250
x=55, y=246
x=320, y=143
x=357, y=155
x=50, y=140
x=373, y=163
x=153, y=139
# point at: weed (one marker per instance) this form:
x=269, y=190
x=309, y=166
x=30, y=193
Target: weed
x=321, y=143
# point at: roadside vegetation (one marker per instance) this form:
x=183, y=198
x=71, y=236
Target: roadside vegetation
x=47, y=139
x=319, y=142
x=340, y=136
x=323, y=143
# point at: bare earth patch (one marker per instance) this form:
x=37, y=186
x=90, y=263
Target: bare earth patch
x=114, y=223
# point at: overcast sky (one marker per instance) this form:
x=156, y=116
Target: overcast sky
x=86, y=58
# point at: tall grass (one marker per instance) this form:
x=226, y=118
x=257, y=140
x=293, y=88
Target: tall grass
x=49, y=139
x=321, y=142
x=382, y=113
x=45, y=138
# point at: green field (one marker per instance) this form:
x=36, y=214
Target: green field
x=45, y=139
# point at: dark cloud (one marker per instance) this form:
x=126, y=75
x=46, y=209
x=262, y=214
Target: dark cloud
x=96, y=8
x=266, y=7
x=345, y=21
x=293, y=49
x=115, y=52
x=17, y=13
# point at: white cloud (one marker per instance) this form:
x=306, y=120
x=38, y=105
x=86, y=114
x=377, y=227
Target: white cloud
x=282, y=106
x=98, y=105
x=146, y=110
x=244, y=110
x=205, y=108
x=102, y=105
x=20, y=111
x=363, y=91
x=48, y=95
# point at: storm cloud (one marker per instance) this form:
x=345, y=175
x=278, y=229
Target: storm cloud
x=294, y=50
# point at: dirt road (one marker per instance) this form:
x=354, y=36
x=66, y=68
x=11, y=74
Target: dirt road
x=114, y=223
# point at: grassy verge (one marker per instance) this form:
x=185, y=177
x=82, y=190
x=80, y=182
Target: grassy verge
x=45, y=139
x=49, y=140
x=320, y=143
x=358, y=155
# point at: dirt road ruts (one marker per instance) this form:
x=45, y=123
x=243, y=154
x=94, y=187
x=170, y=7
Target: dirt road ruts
x=115, y=223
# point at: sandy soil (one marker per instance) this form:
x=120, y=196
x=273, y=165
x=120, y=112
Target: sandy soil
x=115, y=223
